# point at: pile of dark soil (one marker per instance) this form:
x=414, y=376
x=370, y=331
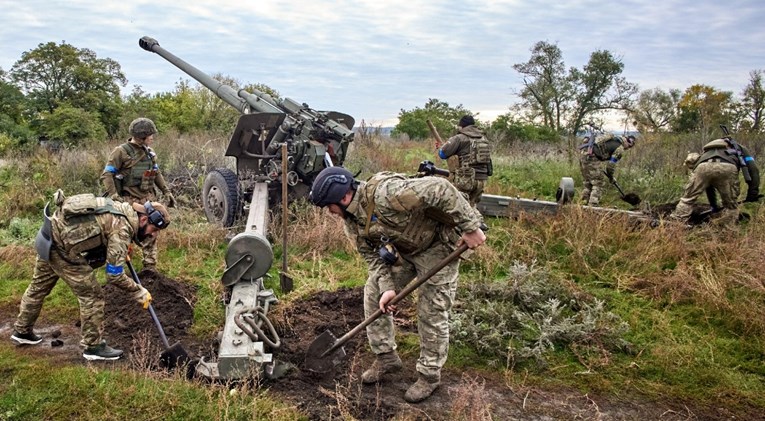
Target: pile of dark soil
x=173, y=303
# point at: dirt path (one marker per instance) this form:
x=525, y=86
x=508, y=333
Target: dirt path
x=469, y=394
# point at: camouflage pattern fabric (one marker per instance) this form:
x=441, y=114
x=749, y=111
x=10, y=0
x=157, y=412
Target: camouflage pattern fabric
x=723, y=177
x=120, y=162
x=461, y=145
x=594, y=179
x=116, y=233
x=400, y=203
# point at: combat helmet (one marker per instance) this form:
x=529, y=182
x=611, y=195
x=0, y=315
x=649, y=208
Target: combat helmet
x=141, y=128
x=330, y=186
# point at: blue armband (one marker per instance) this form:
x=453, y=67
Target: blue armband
x=114, y=270
x=748, y=158
x=110, y=169
x=614, y=159
x=156, y=167
x=441, y=154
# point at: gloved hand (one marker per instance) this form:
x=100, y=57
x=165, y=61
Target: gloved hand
x=143, y=297
x=170, y=200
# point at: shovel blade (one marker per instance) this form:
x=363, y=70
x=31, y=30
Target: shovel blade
x=318, y=360
x=632, y=199
x=173, y=357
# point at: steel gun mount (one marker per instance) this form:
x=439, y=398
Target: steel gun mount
x=315, y=140
x=309, y=141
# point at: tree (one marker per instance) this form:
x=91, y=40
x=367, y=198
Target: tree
x=701, y=109
x=414, y=122
x=55, y=74
x=564, y=100
x=655, y=109
x=546, y=85
x=753, y=100
x=13, y=106
x=72, y=126
x=598, y=87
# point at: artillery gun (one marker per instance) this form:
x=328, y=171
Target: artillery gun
x=309, y=141
x=315, y=140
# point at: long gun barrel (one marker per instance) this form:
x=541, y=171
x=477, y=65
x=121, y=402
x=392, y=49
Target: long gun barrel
x=242, y=100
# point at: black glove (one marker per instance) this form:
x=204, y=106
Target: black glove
x=610, y=173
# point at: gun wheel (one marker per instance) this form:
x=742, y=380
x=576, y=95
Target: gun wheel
x=220, y=197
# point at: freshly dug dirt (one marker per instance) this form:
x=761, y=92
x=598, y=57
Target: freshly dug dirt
x=463, y=394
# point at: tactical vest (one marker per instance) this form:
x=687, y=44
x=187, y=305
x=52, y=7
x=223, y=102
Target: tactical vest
x=78, y=231
x=418, y=233
x=605, y=146
x=142, y=171
x=721, y=150
x=480, y=151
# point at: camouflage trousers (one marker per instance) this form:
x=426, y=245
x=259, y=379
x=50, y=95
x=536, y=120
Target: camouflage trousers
x=434, y=302
x=474, y=196
x=149, y=247
x=723, y=177
x=594, y=179
x=80, y=279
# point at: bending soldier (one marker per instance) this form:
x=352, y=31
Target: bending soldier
x=402, y=227
x=598, y=162
x=132, y=172
x=716, y=171
x=474, y=153
x=86, y=232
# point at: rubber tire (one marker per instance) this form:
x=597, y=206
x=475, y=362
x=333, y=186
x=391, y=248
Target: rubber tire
x=224, y=185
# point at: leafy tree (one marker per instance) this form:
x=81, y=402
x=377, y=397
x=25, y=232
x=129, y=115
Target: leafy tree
x=413, y=123
x=598, y=87
x=562, y=100
x=546, y=85
x=506, y=128
x=701, y=109
x=72, y=126
x=55, y=74
x=13, y=106
x=753, y=100
x=655, y=109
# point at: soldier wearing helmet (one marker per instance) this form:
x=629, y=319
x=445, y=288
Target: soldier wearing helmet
x=402, y=227
x=474, y=153
x=132, y=173
x=598, y=163
x=83, y=233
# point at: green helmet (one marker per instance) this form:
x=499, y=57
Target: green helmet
x=141, y=128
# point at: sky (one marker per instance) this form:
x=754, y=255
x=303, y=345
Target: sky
x=373, y=58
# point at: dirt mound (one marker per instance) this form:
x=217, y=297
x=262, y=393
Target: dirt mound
x=173, y=303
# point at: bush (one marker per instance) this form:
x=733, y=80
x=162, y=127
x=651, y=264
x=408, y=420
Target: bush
x=72, y=126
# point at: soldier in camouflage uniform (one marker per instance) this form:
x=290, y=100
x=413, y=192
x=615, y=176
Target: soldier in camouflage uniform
x=716, y=170
x=474, y=153
x=83, y=233
x=402, y=227
x=598, y=162
x=132, y=172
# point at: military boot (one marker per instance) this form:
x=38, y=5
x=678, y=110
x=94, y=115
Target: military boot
x=423, y=388
x=388, y=362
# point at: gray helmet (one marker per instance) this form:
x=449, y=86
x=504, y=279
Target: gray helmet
x=330, y=186
x=141, y=128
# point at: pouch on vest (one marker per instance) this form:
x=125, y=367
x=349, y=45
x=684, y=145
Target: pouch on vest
x=147, y=180
x=44, y=238
x=464, y=178
x=481, y=151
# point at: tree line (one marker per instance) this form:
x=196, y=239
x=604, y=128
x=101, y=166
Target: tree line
x=64, y=93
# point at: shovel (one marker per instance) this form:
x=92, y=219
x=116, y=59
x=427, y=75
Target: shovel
x=631, y=198
x=173, y=356
x=326, y=352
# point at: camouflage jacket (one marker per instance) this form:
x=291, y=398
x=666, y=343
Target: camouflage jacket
x=410, y=213
x=106, y=233
x=719, y=149
x=462, y=145
x=121, y=167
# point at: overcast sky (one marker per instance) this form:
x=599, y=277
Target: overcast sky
x=371, y=58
